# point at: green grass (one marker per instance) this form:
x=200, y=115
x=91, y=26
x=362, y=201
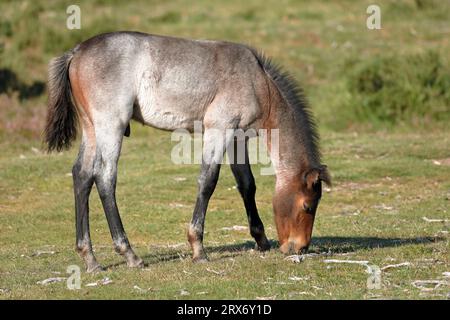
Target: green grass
x=371, y=173
x=381, y=158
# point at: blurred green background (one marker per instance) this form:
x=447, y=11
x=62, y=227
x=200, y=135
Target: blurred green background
x=355, y=78
x=382, y=101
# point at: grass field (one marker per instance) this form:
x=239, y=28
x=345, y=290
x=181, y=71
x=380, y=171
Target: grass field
x=389, y=203
x=384, y=185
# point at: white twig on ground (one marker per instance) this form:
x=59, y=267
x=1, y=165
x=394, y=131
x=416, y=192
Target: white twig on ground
x=234, y=228
x=399, y=265
x=92, y=284
x=297, y=258
x=363, y=262
x=220, y=273
x=295, y=278
x=176, y=205
x=438, y=163
x=137, y=288
x=422, y=284
x=42, y=252
x=316, y=288
x=176, y=245
x=383, y=207
x=51, y=280
x=103, y=282
x=201, y=293
x=266, y=298
x=184, y=292
x=433, y=220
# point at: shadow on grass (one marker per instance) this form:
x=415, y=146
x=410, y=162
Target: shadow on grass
x=169, y=255
x=155, y=258
x=336, y=244
x=9, y=82
x=319, y=244
x=354, y=244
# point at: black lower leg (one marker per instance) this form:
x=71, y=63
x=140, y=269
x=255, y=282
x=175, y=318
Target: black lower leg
x=247, y=188
x=206, y=185
x=83, y=181
x=106, y=189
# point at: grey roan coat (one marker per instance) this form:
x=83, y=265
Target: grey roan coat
x=169, y=83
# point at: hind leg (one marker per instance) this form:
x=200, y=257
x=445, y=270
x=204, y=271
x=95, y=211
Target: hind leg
x=109, y=142
x=246, y=185
x=83, y=179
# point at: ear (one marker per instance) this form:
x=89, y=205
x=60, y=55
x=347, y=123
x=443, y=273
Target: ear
x=312, y=177
x=324, y=175
x=315, y=175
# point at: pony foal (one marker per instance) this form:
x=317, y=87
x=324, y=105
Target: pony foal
x=169, y=83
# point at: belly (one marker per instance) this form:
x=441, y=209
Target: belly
x=165, y=120
x=169, y=103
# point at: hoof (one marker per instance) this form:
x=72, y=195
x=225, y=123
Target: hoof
x=263, y=245
x=201, y=259
x=135, y=263
x=94, y=268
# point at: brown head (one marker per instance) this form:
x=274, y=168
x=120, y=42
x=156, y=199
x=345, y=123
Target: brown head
x=296, y=156
x=295, y=204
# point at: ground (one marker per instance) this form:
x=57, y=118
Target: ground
x=386, y=189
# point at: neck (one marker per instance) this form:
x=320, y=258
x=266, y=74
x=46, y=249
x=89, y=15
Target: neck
x=294, y=151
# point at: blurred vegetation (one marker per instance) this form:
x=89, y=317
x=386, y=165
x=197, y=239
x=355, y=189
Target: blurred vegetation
x=393, y=89
x=355, y=78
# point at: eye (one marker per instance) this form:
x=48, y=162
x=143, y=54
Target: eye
x=307, y=207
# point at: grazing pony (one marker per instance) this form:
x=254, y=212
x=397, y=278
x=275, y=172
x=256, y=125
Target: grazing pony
x=169, y=83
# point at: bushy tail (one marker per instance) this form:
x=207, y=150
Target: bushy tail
x=61, y=124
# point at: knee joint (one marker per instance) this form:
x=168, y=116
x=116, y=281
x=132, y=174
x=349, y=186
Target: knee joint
x=121, y=247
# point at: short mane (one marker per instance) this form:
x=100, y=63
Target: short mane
x=295, y=97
